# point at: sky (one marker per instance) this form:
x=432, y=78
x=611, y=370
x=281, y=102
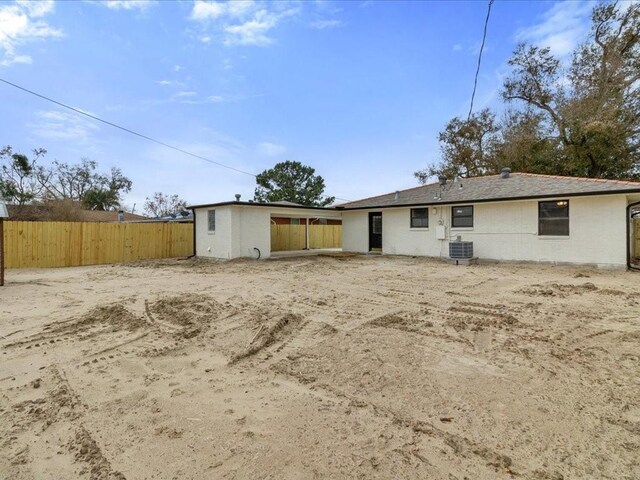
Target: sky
x=356, y=89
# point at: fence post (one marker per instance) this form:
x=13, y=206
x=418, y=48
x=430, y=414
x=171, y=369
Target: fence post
x=1, y=251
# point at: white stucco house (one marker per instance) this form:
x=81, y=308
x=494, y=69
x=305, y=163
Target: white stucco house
x=236, y=229
x=508, y=217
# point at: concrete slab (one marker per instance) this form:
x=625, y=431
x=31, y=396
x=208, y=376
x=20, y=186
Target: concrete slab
x=463, y=261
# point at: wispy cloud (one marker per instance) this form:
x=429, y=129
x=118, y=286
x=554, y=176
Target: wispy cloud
x=561, y=28
x=128, y=4
x=242, y=22
x=57, y=125
x=269, y=149
x=457, y=47
x=21, y=23
x=213, y=10
x=325, y=24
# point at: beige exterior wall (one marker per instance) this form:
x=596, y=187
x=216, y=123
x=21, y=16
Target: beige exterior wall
x=505, y=231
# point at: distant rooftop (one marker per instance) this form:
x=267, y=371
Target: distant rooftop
x=49, y=212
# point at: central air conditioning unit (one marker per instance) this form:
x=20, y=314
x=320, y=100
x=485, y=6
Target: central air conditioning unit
x=460, y=249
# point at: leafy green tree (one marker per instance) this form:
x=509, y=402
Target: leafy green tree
x=18, y=182
x=592, y=108
x=82, y=183
x=293, y=182
x=467, y=146
x=576, y=119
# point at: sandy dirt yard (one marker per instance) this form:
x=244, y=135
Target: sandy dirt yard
x=320, y=367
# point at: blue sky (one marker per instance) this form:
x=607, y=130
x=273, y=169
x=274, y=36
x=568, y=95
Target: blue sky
x=359, y=90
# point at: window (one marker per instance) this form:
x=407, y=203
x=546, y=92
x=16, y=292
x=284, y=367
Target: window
x=553, y=218
x=462, y=216
x=323, y=221
x=295, y=221
x=376, y=224
x=212, y=220
x=419, y=218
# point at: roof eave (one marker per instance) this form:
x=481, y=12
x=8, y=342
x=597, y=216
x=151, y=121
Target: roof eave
x=500, y=199
x=258, y=204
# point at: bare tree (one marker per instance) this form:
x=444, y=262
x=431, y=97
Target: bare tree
x=163, y=205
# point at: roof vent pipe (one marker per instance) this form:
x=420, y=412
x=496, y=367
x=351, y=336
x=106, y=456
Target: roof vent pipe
x=238, y=197
x=397, y=195
x=505, y=172
x=443, y=180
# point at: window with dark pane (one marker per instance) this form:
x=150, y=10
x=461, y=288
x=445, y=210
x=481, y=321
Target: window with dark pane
x=553, y=218
x=376, y=225
x=462, y=216
x=419, y=217
x=212, y=220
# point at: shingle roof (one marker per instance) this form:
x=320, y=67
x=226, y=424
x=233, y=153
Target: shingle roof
x=495, y=188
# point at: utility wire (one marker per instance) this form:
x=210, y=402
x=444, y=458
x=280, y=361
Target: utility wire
x=484, y=37
x=146, y=137
x=124, y=128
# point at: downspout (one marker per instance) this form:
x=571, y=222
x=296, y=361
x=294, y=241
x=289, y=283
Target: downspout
x=193, y=212
x=628, y=218
x=306, y=234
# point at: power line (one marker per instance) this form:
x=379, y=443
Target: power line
x=484, y=37
x=124, y=128
x=132, y=132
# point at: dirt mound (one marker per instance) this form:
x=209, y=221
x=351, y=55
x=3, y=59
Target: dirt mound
x=87, y=450
x=186, y=310
x=558, y=290
x=324, y=330
x=479, y=318
x=266, y=336
x=99, y=320
x=409, y=322
x=116, y=315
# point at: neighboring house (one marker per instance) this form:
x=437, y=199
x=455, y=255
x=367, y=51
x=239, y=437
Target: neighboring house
x=508, y=217
x=60, y=212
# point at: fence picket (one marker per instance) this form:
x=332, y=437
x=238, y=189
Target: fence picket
x=66, y=244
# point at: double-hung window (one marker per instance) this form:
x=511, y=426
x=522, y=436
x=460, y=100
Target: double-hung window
x=419, y=218
x=553, y=218
x=462, y=216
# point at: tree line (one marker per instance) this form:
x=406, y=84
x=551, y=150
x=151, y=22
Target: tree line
x=580, y=119
x=25, y=181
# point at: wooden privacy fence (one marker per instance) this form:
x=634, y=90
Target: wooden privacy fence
x=293, y=237
x=67, y=244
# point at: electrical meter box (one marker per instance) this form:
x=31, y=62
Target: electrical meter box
x=441, y=232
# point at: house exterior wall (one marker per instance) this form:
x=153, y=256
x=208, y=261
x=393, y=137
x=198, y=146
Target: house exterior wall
x=216, y=244
x=505, y=231
x=242, y=228
x=355, y=230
